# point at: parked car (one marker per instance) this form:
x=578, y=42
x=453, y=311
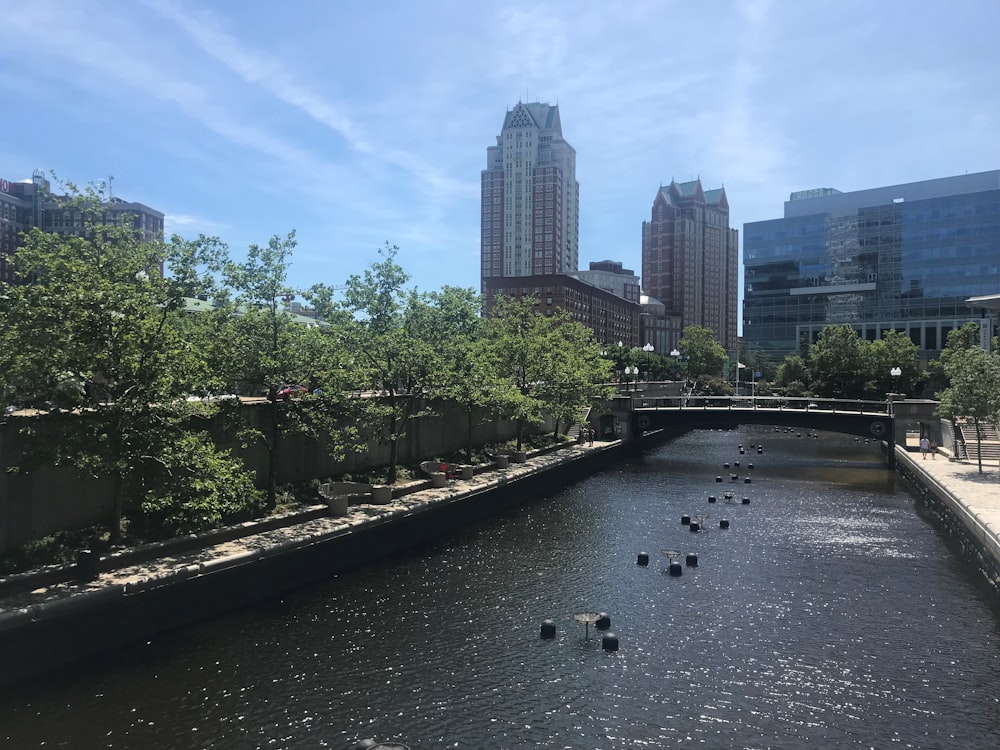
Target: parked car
x=286, y=392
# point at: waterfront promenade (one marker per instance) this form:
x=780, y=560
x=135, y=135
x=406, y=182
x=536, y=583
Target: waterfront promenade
x=972, y=497
x=54, y=615
x=133, y=571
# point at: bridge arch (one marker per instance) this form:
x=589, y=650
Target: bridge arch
x=868, y=419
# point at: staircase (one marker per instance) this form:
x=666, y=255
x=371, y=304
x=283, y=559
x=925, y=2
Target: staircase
x=574, y=431
x=986, y=448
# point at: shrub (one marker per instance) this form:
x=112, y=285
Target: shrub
x=196, y=487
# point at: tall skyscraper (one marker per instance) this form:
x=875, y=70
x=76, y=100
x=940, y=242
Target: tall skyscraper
x=690, y=258
x=904, y=258
x=530, y=198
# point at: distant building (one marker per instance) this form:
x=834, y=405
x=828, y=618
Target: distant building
x=657, y=327
x=611, y=317
x=905, y=257
x=530, y=198
x=690, y=258
x=28, y=204
x=610, y=276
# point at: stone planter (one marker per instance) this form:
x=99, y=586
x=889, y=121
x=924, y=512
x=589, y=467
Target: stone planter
x=439, y=479
x=519, y=457
x=468, y=472
x=503, y=461
x=381, y=495
x=337, y=505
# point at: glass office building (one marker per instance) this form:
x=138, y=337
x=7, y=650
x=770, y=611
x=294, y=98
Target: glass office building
x=903, y=258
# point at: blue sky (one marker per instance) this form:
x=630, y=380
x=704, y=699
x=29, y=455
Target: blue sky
x=355, y=123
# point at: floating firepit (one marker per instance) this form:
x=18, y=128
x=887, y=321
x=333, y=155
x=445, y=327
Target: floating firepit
x=588, y=619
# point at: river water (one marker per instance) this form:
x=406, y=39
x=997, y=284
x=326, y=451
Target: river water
x=829, y=615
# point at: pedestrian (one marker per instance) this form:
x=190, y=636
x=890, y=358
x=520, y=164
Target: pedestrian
x=590, y=434
x=933, y=449
x=925, y=446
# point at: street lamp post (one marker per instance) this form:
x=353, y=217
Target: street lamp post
x=648, y=349
x=895, y=372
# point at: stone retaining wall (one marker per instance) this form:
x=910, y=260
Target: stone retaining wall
x=978, y=545
x=42, y=636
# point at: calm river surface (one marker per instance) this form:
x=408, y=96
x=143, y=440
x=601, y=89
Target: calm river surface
x=829, y=615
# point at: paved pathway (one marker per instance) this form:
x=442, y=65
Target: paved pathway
x=976, y=496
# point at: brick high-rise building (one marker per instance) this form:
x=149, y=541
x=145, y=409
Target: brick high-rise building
x=530, y=198
x=690, y=258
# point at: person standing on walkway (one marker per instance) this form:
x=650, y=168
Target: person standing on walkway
x=932, y=447
x=925, y=446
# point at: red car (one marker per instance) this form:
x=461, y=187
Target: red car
x=286, y=392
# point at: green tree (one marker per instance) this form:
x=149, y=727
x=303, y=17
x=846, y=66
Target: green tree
x=517, y=336
x=836, y=363
x=392, y=342
x=974, y=392
x=263, y=349
x=894, y=349
x=703, y=355
x=467, y=374
x=94, y=310
x=793, y=375
x=959, y=339
x=575, y=371
x=554, y=363
x=196, y=487
x=757, y=360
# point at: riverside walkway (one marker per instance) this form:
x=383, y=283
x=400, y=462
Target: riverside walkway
x=133, y=571
x=51, y=617
x=972, y=497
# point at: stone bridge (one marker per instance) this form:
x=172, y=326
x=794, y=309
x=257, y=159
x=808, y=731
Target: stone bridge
x=867, y=419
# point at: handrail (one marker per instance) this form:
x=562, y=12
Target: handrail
x=757, y=403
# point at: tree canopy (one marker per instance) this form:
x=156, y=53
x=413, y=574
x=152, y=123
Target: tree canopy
x=702, y=354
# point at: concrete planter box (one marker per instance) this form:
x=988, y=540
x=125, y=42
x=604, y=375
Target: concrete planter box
x=468, y=472
x=519, y=457
x=503, y=461
x=337, y=505
x=381, y=495
x=439, y=479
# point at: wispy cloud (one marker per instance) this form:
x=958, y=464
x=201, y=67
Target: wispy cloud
x=205, y=28
x=186, y=224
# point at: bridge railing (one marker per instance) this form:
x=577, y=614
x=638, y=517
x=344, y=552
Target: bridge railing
x=775, y=403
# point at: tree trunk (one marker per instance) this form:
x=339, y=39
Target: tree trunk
x=117, y=504
x=272, y=449
x=393, y=459
x=979, y=443
x=468, y=439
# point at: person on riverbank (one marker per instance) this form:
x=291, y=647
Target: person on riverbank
x=932, y=447
x=925, y=445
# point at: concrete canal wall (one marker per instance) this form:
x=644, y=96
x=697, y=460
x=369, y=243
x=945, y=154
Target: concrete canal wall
x=44, y=624
x=47, y=499
x=963, y=502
